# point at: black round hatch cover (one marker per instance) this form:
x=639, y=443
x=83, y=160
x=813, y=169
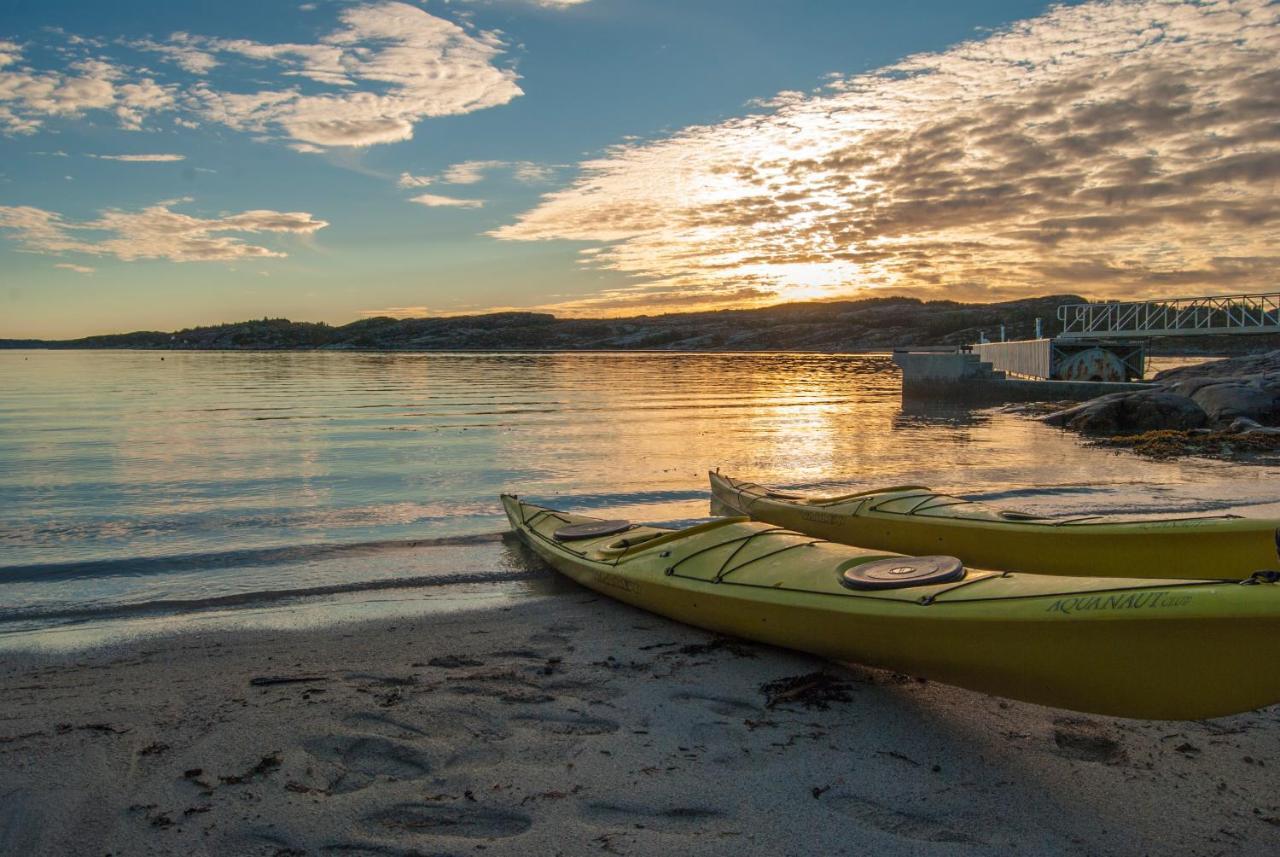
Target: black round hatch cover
x=902, y=571
x=590, y=530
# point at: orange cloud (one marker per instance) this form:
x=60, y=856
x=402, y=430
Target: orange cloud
x=1116, y=149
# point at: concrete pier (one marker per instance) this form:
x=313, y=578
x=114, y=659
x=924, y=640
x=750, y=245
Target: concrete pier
x=957, y=374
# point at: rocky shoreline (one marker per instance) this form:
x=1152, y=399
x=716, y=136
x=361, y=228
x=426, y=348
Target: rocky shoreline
x=1226, y=408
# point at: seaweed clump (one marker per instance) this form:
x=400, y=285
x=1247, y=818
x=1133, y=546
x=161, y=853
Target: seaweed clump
x=1175, y=443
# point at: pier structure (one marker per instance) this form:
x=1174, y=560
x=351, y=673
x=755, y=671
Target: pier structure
x=1202, y=316
x=961, y=373
x=1101, y=349
x=1059, y=359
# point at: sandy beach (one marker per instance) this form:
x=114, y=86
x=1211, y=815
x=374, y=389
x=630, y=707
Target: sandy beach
x=571, y=724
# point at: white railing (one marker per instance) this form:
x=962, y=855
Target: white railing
x=1258, y=313
x=1028, y=357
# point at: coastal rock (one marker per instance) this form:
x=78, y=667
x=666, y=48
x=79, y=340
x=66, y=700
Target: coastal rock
x=1119, y=413
x=1265, y=364
x=1228, y=400
x=1240, y=392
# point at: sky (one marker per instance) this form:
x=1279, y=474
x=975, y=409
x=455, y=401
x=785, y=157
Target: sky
x=165, y=165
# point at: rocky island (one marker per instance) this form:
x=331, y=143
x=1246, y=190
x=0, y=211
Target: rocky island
x=868, y=324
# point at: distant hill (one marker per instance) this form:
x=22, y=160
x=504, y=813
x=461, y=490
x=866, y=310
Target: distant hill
x=872, y=323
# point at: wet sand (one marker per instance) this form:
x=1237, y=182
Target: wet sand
x=571, y=724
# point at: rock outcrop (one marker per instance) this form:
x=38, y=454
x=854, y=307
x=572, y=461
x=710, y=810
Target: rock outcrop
x=1241, y=394
x=1131, y=413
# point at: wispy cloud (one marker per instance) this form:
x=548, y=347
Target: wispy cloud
x=471, y=172
x=386, y=67
x=155, y=232
x=409, y=180
x=1109, y=148
x=142, y=159
x=438, y=201
x=79, y=269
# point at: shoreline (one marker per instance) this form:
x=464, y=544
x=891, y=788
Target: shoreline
x=574, y=724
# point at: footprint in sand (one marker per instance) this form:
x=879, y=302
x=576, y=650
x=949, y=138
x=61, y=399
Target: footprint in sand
x=385, y=724
x=666, y=819
x=548, y=640
x=362, y=759
x=725, y=706
x=461, y=821
x=896, y=822
x=1087, y=740
x=568, y=724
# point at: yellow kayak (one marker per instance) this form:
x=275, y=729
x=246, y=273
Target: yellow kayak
x=1168, y=649
x=914, y=519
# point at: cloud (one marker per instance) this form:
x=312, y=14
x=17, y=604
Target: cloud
x=472, y=172
x=10, y=52
x=1111, y=148
x=79, y=269
x=550, y=4
x=180, y=51
x=437, y=201
x=142, y=159
x=156, y=232
x=28, y=97
x=385, y=67
x=469, y=172
x=529, y=172
x=410, y=180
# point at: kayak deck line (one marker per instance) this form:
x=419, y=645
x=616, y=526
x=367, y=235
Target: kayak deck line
x=724, y=570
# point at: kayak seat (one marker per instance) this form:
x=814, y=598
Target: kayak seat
x=590, y=530
x=1019, y=516
x=900, y=572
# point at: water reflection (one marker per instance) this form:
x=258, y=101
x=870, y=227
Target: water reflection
x=917, y=413
x=119, y=455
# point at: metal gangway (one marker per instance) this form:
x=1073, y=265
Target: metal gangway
x=1256, y=313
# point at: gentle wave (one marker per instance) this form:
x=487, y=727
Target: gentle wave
x=260, y=557
x=176, y=605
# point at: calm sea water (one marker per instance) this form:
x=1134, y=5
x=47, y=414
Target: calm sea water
x=139, y=481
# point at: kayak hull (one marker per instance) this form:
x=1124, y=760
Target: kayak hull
x=1167, y=649
x=1191, y=548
